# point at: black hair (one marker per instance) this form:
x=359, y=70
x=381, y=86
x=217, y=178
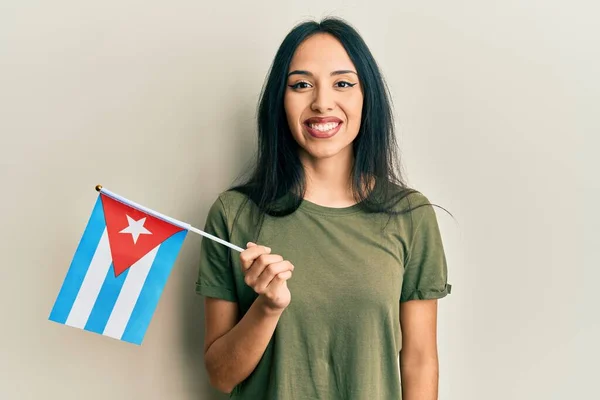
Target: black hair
x=278, y=172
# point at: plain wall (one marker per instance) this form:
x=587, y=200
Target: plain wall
x=496, y=104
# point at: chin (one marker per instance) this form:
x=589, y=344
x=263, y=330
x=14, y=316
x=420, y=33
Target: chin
x=323, y=151
x=322, y=148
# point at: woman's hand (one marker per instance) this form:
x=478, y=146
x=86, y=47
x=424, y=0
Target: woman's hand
x=234, y=347
x=267, y=275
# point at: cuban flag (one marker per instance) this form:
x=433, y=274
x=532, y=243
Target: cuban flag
x=119, y=269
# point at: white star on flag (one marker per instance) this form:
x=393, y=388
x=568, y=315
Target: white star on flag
x=136, y=228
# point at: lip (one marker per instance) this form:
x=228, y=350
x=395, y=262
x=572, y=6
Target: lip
x=322, y=120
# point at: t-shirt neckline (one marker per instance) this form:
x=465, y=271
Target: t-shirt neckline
x=317, y=208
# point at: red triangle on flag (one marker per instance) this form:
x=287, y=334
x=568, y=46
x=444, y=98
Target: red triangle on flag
x=132, y=233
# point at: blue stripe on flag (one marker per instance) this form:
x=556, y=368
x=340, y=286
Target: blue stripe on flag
x=153, y=287
x=79, y=265
x=106, y=300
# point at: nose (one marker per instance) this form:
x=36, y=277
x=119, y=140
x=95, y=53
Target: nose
x=323, y=101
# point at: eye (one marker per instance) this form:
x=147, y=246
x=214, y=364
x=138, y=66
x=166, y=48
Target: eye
x=300, y=85
x=344, y=84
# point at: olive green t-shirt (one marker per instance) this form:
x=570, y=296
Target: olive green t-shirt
x=340, y=336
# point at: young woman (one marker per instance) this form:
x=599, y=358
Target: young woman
x=335, y=295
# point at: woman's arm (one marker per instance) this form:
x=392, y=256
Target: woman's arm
x=233, y=348
x=419, y=356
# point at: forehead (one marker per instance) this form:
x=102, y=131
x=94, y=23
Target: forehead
x=321, y=53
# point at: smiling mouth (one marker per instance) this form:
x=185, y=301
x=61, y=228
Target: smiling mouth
x=322, y=129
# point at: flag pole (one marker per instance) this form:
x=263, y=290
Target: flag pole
x=183, y=225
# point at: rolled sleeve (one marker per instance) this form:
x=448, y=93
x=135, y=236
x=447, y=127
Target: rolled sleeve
x=426, y=269
x=215, y=276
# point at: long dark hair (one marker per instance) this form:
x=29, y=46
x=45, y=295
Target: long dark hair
x=278, y=172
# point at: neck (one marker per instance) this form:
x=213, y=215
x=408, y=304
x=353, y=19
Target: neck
x=328, y=179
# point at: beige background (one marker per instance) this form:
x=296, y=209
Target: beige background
x=496, y=103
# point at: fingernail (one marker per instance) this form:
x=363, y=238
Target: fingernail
x=268, y=249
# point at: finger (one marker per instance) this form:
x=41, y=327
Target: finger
x=248, y=256
x=258, y=266
x=279, y=280
x=284, y=276
x=270, y=271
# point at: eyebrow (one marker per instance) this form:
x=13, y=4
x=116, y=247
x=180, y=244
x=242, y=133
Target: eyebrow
x=308, y=73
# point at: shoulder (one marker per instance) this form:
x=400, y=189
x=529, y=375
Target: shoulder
x=231, y=200
x=229, y=205
x=412, y=207
x=408, y=200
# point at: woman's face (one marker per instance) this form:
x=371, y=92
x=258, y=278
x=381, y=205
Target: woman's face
x=323, y=99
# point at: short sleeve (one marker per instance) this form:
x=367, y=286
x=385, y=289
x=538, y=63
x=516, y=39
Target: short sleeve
x=426, y=270
x=215, y=277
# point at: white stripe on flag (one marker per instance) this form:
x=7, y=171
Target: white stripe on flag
x=132, y=287
x=91, y=285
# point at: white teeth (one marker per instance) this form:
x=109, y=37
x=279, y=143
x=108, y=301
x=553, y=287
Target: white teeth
x=324, y=127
